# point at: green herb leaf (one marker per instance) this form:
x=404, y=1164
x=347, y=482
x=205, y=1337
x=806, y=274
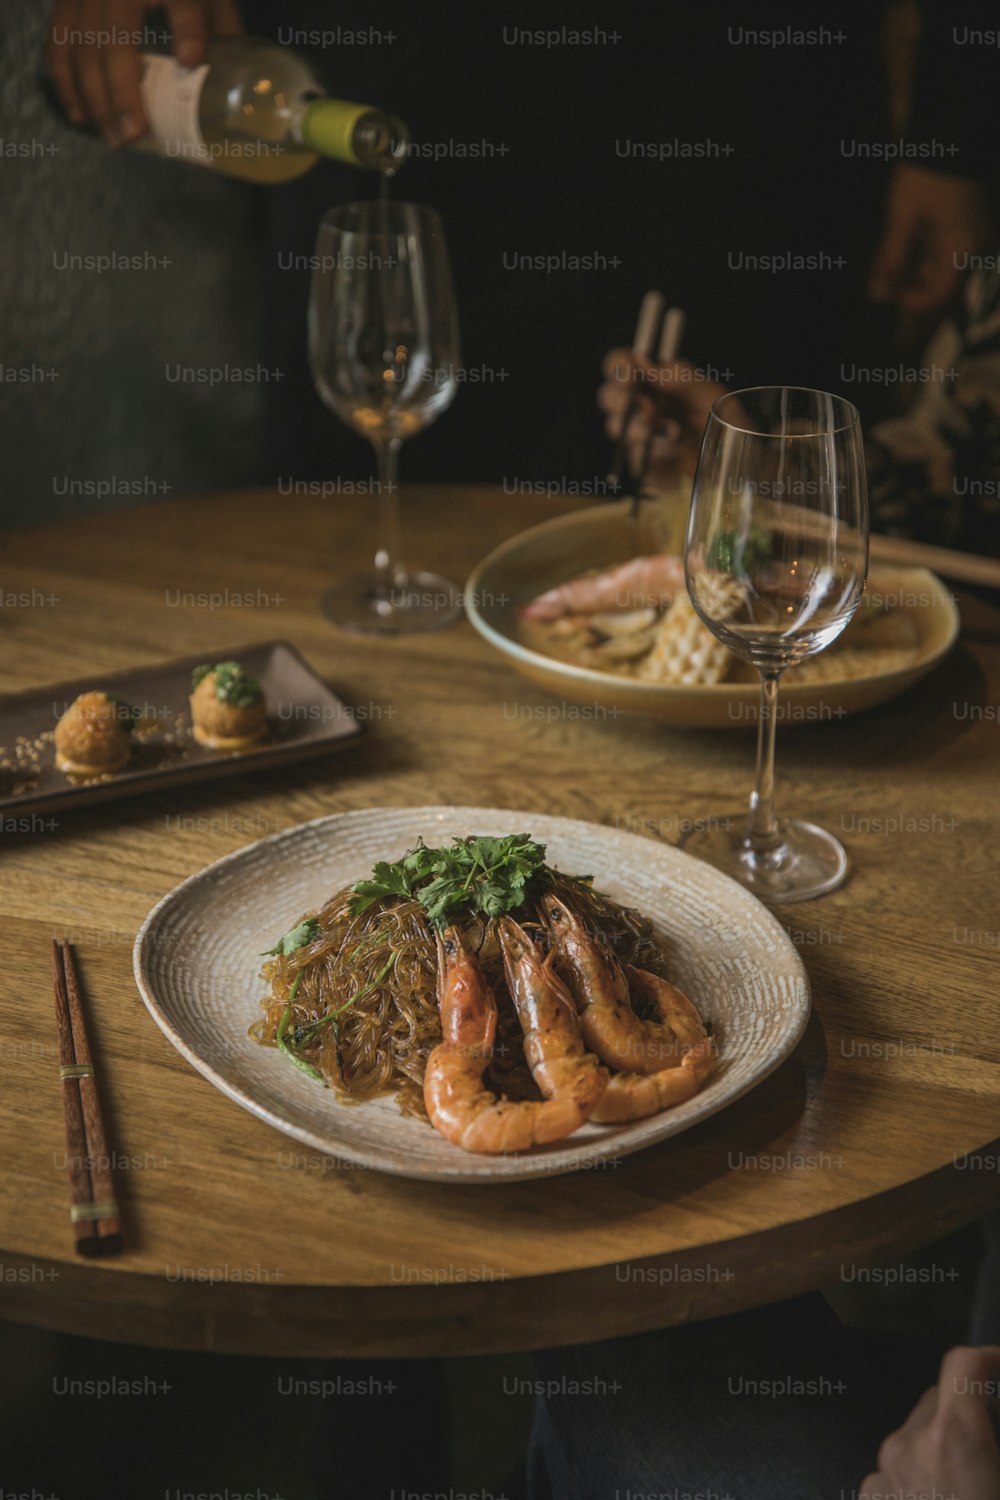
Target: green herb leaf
x=420, y=861
x=732, y=552
x=295, y=938
x=233, y=685
x=283, y=1047
x=126, y=712
x=386, y=880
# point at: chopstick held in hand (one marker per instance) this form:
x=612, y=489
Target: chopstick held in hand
x=93, y=1210
x=621, y=481
x=670, y=343
x=650, y=313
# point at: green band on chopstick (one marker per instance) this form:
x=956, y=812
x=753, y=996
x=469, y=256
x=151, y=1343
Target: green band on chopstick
x=106, y=1210
x=76, y=1070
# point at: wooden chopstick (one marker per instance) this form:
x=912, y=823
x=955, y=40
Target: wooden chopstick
x=670, y=342
x=963, y=567
x=93, y=1210
x=892, y=551
x=80, y=1192
x=650, y=313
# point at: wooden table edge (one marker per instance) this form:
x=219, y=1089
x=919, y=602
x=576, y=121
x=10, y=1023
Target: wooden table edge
x=488, y=1316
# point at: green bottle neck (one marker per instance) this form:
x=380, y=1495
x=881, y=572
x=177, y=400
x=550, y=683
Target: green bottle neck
x=328, y=127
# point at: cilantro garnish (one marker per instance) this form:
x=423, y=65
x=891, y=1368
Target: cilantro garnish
x=126, y=712
x=296, y=937
x=233, y=685
x=731, y=552
x=283, y=1046
x=482, y=875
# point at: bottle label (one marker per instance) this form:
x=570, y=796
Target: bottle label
x=172, y=97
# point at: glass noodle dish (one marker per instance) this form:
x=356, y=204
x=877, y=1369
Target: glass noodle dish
x=503, y=1000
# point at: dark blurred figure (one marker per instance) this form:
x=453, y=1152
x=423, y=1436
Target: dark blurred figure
x=88, y=414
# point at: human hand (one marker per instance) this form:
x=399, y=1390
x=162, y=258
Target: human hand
x=674, y=402
x=932, y=222
x=947, y=1447
x=93, y=56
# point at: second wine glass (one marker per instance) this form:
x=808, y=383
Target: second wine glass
x=776, y=561
x=384, y=352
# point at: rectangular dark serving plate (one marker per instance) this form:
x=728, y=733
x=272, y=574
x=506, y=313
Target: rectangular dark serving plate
x=305, y=718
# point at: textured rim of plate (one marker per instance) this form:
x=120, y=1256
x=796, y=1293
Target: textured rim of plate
x=519, y=652
x=468, y=1167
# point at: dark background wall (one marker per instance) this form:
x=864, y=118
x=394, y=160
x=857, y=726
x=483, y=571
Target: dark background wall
x=556, y=126
x=567, y=115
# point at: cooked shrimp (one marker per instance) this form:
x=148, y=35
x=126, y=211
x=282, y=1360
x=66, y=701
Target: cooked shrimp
x=609, y=1025
x=672, y=1006
x=458, y=1105
x=641, y=581
x=553, y=1045
x=633, y=1096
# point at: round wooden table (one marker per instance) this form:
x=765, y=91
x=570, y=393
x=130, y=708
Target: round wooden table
x=875, y=1137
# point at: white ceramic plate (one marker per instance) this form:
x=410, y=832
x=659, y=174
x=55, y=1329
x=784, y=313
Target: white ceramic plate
x=546, y=555
x=197, y=961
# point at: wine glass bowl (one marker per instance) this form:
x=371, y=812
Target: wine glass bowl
x=384, y=353
x=775, y=561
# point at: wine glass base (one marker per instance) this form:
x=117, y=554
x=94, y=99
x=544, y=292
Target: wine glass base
x=421, y=601
x=807, y=862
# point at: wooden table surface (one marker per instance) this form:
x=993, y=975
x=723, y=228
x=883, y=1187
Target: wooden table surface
x=875, y=1137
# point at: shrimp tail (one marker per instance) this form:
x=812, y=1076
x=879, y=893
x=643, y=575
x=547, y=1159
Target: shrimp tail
x=636, y=1096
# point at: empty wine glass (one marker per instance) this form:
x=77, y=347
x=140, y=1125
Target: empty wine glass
x=776, y=560
x=384, y=352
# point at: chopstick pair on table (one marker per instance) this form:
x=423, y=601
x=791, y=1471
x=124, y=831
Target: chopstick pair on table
x=93, y=1210
x=621, y=480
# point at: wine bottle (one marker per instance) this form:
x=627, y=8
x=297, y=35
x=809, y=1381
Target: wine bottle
x=259, y=111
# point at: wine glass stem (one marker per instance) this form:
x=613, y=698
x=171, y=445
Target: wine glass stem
x=762, y=826
x=389, y=571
